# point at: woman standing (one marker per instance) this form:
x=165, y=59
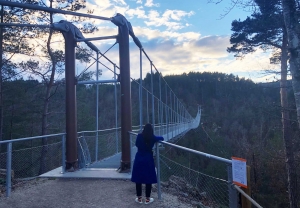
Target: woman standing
x=143, y=171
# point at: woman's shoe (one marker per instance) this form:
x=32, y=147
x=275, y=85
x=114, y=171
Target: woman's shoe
x=139, y=200
x=149, y=200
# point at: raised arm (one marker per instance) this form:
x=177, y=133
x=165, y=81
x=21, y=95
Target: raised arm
x=158, y=138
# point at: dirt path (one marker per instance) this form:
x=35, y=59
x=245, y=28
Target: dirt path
x=81, y=193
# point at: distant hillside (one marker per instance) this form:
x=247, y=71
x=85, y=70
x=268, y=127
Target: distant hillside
x=243, y=119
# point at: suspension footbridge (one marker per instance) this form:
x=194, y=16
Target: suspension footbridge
x=109, y=153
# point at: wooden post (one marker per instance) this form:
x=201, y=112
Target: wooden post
x=245, y=202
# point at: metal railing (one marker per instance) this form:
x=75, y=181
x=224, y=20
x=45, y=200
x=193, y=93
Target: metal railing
x=102, y=143
x=196, y=177
x=28, y=157
x=199, y=178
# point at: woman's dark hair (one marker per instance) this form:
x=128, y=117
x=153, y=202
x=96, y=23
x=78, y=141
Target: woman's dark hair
x=147, y=133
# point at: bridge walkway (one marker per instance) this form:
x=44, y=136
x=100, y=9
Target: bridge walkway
x=108, y=167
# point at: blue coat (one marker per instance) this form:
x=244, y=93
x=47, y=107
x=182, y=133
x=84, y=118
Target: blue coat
x=143, y=170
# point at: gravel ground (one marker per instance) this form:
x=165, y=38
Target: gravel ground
x=81, y=193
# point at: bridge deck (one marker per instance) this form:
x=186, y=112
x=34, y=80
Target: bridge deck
x=103, y=173
x=108, y=167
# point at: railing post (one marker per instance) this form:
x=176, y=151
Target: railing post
x=147, y=108
x=233, y=199
x=97, y=109
x=160, y=105
x=131, y=165
x=116, y=110
x=153, y=115
x=63, y=154
x=8, y=169
x=167, y=113
x=141, y=92
x=158, y=171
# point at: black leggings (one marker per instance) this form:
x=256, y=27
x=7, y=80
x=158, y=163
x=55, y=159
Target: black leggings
x=138, y=187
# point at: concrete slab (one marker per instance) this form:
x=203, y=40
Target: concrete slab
x=104, y=173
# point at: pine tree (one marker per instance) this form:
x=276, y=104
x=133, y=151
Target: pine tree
x=266, y=29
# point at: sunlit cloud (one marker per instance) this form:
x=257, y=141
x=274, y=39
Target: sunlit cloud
x=105, y=8
x=120, y=2
x=139, y=12
x=149, y=34
x=176, y=14
x=170, y=19
x=149, y=3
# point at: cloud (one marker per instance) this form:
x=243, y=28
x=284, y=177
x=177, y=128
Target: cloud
x=147, y=34
x=176, y=14
x=105, y=8
x=138, y=12
x=206, y=54
x=149, y=3
x=120, y=2
x=170, y=18
x=172, y=51
x=176, y=53
x=175, y=58
x=211, y=46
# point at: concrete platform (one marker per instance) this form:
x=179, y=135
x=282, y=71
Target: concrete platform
x=104, y=173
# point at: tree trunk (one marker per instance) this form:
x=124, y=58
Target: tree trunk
x=293, y=32
x=288, y=38
x=49, y=86
x=1, y=67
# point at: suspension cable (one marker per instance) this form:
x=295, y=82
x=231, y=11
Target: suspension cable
x=102, y=55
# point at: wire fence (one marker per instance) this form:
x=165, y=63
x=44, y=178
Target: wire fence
x=102, y=145
x=194, y=179
x=31, y=158
x=186, y=173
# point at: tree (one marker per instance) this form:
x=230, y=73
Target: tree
x=52, y=57
x=10, y=44
x=266, y=29
x=291, y=18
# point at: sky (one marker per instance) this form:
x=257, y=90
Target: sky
x=180, y=36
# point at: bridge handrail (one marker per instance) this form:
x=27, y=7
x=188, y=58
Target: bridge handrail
x=98, y=130
x=198, y=152
x=228, y=161
x=30, y=138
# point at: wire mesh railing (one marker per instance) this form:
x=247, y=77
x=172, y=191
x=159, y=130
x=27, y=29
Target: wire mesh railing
x=103, y=144
x=30, y=157
x=196, y=180
x=33, y=156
